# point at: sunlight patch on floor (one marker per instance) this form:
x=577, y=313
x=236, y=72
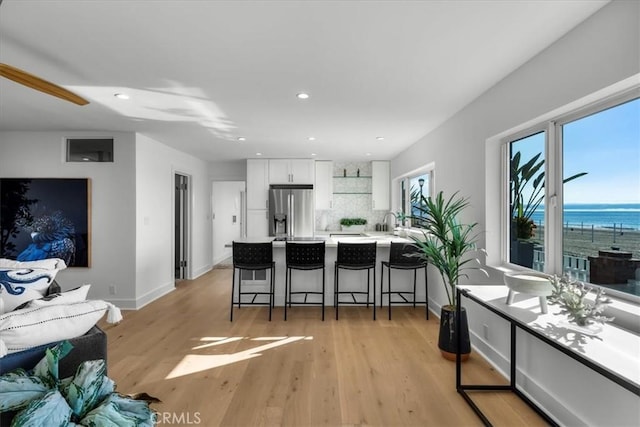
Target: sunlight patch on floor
x=193, y=363
x=217, y=341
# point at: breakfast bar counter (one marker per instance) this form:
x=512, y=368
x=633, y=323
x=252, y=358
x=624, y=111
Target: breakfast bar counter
x=349, y=280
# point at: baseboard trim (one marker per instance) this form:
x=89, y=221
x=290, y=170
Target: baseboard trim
x=123, y=304
x=154, y=294
x=220, y=259
x=201, y=271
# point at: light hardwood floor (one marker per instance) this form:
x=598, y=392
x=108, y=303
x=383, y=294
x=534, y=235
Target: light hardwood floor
x=302, y=372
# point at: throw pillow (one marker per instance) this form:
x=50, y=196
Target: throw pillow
x=47, y=264
x=58, y=298
x=34, y=326
x=18, y=286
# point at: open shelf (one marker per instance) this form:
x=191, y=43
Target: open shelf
x=351, y=192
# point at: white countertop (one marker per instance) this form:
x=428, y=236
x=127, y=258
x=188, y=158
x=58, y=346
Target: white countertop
x=331, y=239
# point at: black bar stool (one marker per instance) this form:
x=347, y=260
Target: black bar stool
x=252, y=257
x=356, y=256
x=400, y=258
x=307, y=257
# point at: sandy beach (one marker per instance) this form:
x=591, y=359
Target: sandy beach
x=587, y=241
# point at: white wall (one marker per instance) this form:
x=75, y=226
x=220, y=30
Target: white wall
x=40, y=155
x=156, y=165
x=131, y=210
x=228, y=171
x=603, y=50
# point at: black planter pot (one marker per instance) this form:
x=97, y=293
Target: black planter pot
x=522, y=253
x=448, y=341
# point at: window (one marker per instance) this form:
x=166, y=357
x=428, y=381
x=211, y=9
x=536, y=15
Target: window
x=587, y=224
x=415, y=188
x=419, y=192
x=601, y=210
x=90, y=150
x=526, y=196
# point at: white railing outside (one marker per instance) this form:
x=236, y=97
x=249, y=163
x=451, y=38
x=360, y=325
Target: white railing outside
x=575, y=267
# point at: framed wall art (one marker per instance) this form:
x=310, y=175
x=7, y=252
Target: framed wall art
x=46, y=218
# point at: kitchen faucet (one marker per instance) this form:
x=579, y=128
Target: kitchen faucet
x=395, y=219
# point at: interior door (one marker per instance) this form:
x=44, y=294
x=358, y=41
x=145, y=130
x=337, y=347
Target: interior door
x=228, y=213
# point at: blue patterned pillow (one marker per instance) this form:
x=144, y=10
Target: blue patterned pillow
x=18, y=286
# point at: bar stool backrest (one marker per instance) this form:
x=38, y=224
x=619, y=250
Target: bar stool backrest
x=252, y=255
x=356, y=254
x=398, y=254
x=305, y=254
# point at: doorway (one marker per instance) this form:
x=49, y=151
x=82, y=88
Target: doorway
x=228, y=213
x=181, y=226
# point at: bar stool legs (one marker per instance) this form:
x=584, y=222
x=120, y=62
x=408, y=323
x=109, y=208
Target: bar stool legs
x=304, y=257
x=355, y=256
x=252, y=257
x=400, y=259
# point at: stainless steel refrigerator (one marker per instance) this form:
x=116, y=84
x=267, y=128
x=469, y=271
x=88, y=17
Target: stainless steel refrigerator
x=291, y=211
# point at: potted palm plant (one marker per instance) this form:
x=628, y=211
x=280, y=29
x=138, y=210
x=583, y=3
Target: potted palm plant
x=447, y=245
x=527, y=194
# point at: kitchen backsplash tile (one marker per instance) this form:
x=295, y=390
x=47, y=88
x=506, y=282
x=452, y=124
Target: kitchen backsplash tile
x=351, y=197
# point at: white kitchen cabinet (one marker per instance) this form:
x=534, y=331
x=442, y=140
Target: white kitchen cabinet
x=324, y=185
x=257, y=184
x=291, y=171
x=380, y=199
x=257, y=223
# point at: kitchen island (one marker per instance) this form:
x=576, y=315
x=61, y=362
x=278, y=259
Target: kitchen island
x=349, y=280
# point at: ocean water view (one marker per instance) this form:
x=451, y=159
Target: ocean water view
x=625, y=215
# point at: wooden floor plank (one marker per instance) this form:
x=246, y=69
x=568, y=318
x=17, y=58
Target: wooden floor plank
x=302, y=372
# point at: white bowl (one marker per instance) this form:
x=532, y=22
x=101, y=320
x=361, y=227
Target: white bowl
x=528, y=283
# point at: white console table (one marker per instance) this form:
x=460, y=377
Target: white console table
x=615, y=356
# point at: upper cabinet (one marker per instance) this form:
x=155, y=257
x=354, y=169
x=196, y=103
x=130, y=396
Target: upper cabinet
x=257, y=184
x=324, y=185
x=380, y=185
x=291, y=171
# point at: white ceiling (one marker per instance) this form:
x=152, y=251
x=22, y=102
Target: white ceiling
x=200, y=74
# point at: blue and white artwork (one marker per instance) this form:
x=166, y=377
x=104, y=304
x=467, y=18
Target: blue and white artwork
x=44, y=218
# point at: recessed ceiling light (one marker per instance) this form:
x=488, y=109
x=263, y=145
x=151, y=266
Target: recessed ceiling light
x=380, y=138
x=121, y=96
x=368, y=154
x=312, y=138
x=302, y=95
x=313, y=154
x=258, y=154
x=242, y=138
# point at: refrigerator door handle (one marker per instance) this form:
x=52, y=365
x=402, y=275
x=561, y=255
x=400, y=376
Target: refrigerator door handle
x=291, y=214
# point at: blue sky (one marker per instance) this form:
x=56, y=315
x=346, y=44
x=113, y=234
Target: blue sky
x=607, y=146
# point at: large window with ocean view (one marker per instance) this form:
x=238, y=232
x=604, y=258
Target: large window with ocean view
x=601, y=210
x=574, y=196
